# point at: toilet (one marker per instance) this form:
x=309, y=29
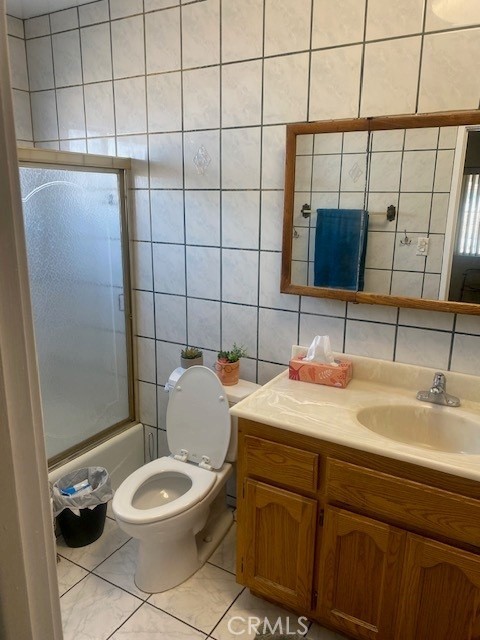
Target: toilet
x=175, y=506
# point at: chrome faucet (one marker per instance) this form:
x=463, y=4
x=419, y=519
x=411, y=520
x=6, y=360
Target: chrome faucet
x=437, y=394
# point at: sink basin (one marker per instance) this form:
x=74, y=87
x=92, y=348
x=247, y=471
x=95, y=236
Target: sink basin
x=428, y=427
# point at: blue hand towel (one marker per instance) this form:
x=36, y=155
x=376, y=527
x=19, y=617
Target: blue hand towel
x=340, y=248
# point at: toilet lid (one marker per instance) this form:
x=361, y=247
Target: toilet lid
x=197, y=417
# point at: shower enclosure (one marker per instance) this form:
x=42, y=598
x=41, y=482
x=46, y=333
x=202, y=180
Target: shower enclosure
x=75, y=221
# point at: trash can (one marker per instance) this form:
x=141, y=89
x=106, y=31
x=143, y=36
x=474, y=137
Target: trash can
x=80, y=504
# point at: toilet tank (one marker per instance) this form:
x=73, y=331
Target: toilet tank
x=235, y=393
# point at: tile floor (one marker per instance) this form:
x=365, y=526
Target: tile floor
x=99, y=599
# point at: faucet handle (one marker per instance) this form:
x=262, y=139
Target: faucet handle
x=439, y=380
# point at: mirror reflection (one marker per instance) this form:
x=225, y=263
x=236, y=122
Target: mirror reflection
x=390, y=212
x=465, y=273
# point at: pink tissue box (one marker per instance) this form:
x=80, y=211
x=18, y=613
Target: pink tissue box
x=320, y=373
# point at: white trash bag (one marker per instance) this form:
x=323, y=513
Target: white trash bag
x=82, y=489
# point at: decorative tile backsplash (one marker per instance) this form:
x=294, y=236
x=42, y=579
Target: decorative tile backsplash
x=199, y=93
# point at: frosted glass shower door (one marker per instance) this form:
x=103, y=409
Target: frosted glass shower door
x=73, y=228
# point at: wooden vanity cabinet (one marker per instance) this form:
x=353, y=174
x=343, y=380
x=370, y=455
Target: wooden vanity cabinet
x=359, y=574
x=440, y=593
x=279, y=541
x=280, y=525
x=371, y=547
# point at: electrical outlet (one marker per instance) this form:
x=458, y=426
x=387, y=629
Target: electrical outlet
x=422, y=246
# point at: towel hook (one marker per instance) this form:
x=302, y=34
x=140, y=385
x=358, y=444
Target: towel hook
x=306, y=210
x=406, y=241
x=391, y=212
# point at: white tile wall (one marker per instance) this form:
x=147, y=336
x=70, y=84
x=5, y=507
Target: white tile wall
x=446, y=80
x=99, y=112
x=123, y=8
x=23, y=117
x=242, y=29
x=287, y=26
x=201, y=98
x=18, y=63
x=337, y=23
x=40, y=63
x=128, y=61
x=279, y=106
x=389, y=19
x=206, y=128
x=93, y=13
x=130, y=105
x=44, y=115
x=241, y=94
x=335, y=83
x=167, y=216
x=39, y=26
x=201, y=33
x=15, y=27
x=96, y=53
x=390, y=76
x=71, y=112
x=66, y=59
x=456, y=14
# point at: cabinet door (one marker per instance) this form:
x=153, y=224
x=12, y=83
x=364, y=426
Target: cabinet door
x=279, y=544
x=440, y=595
x=359, y=574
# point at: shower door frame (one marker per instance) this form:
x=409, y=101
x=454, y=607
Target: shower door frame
x=70, y=161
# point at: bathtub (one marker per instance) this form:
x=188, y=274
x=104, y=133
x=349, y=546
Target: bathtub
x=121, y=455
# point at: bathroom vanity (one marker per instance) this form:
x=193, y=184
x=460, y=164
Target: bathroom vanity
x=373, y=535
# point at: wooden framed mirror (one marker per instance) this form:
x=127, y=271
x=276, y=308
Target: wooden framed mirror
x=389, y=207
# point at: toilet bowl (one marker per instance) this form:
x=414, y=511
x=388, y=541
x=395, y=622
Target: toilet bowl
x=175, y=506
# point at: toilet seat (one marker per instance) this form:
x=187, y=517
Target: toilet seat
x=198, y=418
x=202, y=481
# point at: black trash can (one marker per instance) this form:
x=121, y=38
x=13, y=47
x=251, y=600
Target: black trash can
x=78, y=531
x=80, y=504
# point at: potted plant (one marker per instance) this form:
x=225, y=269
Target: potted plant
x=227, y=366
x=190, y=357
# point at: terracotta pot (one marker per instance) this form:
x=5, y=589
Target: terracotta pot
x=186, y=363
x=228, y=372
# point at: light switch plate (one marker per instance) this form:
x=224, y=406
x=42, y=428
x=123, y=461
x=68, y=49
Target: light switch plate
x=422, y=246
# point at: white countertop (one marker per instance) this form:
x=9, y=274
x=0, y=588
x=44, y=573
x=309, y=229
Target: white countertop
x=329, y=413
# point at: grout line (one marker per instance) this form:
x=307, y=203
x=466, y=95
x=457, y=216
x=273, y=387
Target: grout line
x=397, y=323
x=76, y=583
x=117, y=586
x=260, y=202
x=150, y=216
x=398, y=193
x=413, y=34
x=221, y=345
x=362, y=59
x=228, y=609
x=112, y=79
x=133, y=613
x=184, y=200
x=28, y=83
x=205, y=633
x=428, y=234
x=232, y=573
x=68, y=559
x=420, y=59
x=54, y=81
x=83, y=83
x=309, y=77
x=452, y=342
